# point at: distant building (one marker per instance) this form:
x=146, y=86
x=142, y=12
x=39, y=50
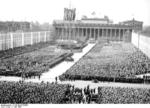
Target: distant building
x=89, y=28
x=96, y=29
x=136, y=25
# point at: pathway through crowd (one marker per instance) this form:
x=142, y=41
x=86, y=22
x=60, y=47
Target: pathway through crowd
x=64, y=66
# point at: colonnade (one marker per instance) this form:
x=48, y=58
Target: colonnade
x=116, y=34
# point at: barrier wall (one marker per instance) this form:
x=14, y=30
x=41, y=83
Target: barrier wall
x=11, y=40
x=142, y=42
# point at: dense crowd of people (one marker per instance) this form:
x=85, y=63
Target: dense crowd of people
x=107, y=60
x=118, y=95
x=44, y=93
x=105, y=95
x=27, y=93
x=121, y=60
x=29, y=64
x=23, y=49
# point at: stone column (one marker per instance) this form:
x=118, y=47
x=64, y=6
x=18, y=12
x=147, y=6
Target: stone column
x=111, y=34
x=60, y=33
x=98, y=33
x=102, y=33
x=115, y=34
x=82, y=32
x=78, y=32
x=68, y=33
x=73, y=33
x=123, y=34
x=64, y=33
x=119, y=35
x=90, y=33
x=94, y=33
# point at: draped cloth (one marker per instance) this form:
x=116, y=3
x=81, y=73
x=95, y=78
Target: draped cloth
x=69, y=14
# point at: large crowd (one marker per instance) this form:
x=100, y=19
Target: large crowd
x=106, y=95
x=118, y=95
x=121, y=60
x=44, y=93
x=27, y=93
x=23, y=49
x=30, y=64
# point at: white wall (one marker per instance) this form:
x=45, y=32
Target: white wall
x=142, y=42
x=12, y=40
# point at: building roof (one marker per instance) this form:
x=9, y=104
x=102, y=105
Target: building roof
x=95, y=19
x=79, y=23
x=133, y=20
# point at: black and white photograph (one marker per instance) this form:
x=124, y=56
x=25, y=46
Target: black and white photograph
x=61, y=52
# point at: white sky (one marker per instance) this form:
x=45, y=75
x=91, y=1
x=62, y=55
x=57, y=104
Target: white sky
x=48, y=10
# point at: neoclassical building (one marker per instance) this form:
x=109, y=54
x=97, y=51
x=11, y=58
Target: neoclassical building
x=95, y=28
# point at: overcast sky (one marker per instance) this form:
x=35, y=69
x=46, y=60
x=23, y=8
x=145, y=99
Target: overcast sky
x=48, y=10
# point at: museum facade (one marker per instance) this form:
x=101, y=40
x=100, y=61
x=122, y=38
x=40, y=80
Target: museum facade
x=95, y=28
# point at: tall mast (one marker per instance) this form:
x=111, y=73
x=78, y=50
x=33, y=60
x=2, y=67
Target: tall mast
x=70, y=4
